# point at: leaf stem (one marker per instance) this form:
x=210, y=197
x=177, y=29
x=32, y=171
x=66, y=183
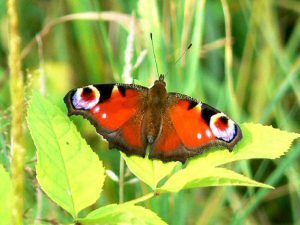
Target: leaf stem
x=121, y=181
x=143, y=198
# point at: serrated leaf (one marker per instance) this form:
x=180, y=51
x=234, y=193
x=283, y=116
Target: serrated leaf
x=45, y=223
x=122, y=214
x=5, y=197
x=67, y=169
x=259, y=142
x=149, y=171
x=192, y=177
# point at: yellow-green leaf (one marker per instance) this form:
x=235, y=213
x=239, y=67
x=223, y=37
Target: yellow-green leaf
x=259, y=142
x=122, y=214
x=5, y=197
x=67, y=169
x=192, y=177
x=149, y=171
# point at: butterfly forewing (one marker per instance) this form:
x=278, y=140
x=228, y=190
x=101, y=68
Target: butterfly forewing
x=116, y=112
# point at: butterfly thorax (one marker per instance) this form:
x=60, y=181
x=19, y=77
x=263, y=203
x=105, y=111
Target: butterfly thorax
x=156, y=103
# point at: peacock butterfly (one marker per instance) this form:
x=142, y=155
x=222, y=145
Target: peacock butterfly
x=131, y=117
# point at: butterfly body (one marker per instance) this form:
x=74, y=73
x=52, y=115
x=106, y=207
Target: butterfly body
x=131, y=117
x=154, y=108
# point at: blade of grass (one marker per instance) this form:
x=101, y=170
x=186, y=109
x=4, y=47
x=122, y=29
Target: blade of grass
x=280, y=93
x=149, y=20
x=293, y=42
x=88, y=43
x=187, y=22
x=289, y=4
x=263, y=71
x=233, y=106
x=237, y=201
x=271, y=35
x=192, y=71
x=212, y=206
x=272, y=180
x=244, y=73
x=108, y=48
x=294, y=191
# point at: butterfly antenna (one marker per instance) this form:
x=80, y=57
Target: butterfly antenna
x=182, y=55
x=154, y=54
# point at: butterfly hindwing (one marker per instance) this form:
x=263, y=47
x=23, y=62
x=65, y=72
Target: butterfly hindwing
x=195, y=126
x=168, y=145
x=116, y=112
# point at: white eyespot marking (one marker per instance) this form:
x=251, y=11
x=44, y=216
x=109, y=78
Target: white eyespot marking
x=199, y=136
x=86, y=97
x=96, y=109
x=104, y=116
x=208, y=134
x=222, y=127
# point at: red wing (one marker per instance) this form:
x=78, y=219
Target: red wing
x=168, y=145
x=194, y=127
x=190, y=126
x=129, y=138
x=116, y=112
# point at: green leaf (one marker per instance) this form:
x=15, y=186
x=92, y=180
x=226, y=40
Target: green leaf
x=5, y=197
x=259, y=142
x=192, y=177
x=67, y=169
x=149, y=171
x=122, y=214
x=45, y=223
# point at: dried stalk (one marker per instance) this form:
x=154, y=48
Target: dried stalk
x=17, y=106
x=120, y=18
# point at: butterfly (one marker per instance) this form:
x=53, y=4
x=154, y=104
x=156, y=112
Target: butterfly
x=131, y=117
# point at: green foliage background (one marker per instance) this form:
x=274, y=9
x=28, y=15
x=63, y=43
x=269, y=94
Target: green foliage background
x=259, y=82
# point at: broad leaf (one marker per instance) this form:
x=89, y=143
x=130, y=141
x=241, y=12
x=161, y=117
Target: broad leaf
x=259, y=142
x=149, y=171
x=207, y=176
x=5, y=197
x=122, y=214
x=67, y=168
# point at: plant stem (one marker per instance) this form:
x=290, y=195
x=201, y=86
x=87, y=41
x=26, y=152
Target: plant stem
x=17, y=102
x=142, y=199
x=121, y=182
x=127, y=78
